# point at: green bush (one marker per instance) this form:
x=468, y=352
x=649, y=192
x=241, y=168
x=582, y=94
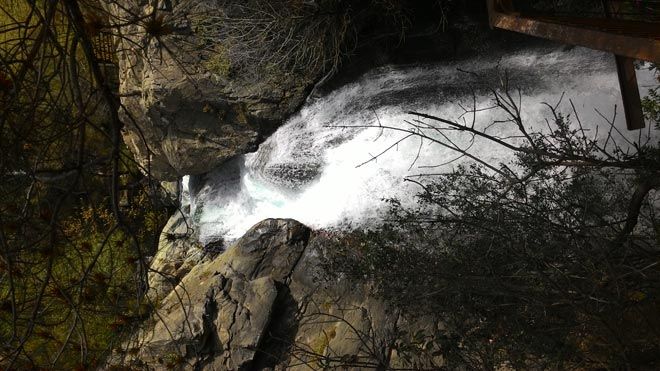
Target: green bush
x=546, y=262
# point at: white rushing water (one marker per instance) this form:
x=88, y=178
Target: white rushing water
x=313, y=169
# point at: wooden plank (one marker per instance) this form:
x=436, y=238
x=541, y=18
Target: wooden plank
x=625, y=68
x=638, y=29
x=619, y=43
x=632, y=103
x=628, y=40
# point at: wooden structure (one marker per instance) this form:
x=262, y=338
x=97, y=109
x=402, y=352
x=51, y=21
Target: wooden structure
x=627, y=39
x=104, y=48
x=106, y=57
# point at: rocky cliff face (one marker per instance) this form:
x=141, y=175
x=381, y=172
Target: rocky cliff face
x=189, y=104
x=187, y=110
x=264, y=304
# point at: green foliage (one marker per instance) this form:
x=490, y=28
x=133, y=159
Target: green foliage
x=651, y=102
x=293, y=36
x=88, y=283
x=219, y=62
x=72, y=265
x=651, y=106
x=533, y=266
x=515, y=281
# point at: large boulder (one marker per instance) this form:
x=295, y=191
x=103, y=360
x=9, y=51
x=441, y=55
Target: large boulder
x=178, y=252
x=186, y=109
x=263, y=304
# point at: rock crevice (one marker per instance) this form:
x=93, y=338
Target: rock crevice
x=257, y=306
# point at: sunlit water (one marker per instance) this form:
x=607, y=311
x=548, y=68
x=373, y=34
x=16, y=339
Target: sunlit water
x=317, y=171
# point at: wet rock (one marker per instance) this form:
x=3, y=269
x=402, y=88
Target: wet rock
x=178, y=252
x=261, y=305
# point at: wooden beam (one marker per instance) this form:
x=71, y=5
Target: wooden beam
x=632, y=103
x=628, y=40
x=613, y=38
x=625, y=68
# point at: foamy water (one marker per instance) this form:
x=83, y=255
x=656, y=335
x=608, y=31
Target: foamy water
x=320, y=171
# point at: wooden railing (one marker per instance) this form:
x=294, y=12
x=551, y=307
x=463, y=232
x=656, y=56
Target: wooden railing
x=104, y=48
x=106, y=56
x=616, y=29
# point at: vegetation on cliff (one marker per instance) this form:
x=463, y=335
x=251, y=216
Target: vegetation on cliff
x=550, y=261
x=308, y=37
x=77, y=217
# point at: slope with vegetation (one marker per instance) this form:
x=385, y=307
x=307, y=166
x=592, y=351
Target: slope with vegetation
x=548, y=262
x=77, y=217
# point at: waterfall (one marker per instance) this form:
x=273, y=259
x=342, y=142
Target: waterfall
x=320, y=171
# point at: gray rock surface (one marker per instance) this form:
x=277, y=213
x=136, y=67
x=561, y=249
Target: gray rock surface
x=178, y=252
x=186, y=110
x=262, y=305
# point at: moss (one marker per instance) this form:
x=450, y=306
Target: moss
x=241, y=114
x=172, y=360
x=326, y=305
x=219, y=63
x=204, y=275
x=320, y=344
